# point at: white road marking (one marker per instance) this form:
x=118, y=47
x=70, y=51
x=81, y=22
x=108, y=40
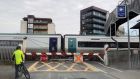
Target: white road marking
x=110, y=67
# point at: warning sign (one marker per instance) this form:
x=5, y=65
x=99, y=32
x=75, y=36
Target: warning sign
x=78, y=58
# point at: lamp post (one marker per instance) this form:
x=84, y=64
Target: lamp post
x=127, y=16
x=123, y=12
x=139, y=44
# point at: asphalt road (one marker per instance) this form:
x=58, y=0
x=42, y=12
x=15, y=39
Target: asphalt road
x=69, y=70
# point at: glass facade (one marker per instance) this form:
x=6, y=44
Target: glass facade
x=93, y=21
x=111, y=44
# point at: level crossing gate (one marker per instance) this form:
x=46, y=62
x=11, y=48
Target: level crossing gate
x=6, y=49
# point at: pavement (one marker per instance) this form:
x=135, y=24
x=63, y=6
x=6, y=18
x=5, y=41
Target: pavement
x=6, y=72
x=70, y=70
x=117, y=72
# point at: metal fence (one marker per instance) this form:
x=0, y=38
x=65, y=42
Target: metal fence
x=121, y=59
x=6, y=54
x=7, y=48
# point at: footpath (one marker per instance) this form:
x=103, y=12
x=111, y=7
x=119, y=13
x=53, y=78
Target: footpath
x=118, y=71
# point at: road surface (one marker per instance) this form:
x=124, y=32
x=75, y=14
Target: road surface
x=70, y=70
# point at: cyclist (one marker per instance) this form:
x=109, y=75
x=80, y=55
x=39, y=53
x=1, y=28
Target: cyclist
x=17, y=57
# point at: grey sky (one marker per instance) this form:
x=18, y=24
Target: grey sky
x=64, y=13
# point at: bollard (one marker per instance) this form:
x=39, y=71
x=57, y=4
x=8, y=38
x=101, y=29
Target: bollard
x=63, y=54
x=43, y=57
x=34, y=55
x=90, y=56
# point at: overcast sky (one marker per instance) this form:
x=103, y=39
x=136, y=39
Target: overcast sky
x=64, y=13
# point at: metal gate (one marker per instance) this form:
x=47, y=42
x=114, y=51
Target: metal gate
x=135, y=59
x=6, y=49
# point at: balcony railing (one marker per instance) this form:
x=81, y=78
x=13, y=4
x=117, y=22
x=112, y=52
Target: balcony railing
x=40, y=22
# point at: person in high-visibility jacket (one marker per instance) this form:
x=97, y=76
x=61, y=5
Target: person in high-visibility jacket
x=17, y=57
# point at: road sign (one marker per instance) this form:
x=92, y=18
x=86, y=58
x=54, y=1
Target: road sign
x=121, y=11
x=78, y=58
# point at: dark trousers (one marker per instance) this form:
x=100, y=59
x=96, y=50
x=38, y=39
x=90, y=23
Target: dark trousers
x=16, y=71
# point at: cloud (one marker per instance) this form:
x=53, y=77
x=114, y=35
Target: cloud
x=64, y=13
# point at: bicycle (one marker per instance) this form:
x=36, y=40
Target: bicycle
x=23, y=70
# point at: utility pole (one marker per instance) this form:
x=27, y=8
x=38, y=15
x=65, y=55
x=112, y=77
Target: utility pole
x=129, y=52
x=123, y=12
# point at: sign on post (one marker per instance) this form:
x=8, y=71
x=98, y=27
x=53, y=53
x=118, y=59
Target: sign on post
x=78, y=58
x=121, y=11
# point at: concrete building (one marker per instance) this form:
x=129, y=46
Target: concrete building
x=35, y=25
x=92, y=21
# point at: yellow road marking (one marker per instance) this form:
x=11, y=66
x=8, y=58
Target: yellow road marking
x=49, y=63
x=32, y=67
x=86, y=69
x=90, y=66
x=71, y=67
x=86, y=66
x=65, y=66
x=52, y=68
x=40, y=66
x=93, y=68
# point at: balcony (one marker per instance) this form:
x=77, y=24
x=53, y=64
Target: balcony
x=40, y=32
x=40, y=22
x=40, y=29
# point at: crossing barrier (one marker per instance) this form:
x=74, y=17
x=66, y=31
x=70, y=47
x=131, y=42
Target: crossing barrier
x=60, y=53
x=66, y=55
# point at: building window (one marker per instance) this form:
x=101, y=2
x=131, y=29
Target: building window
x=30, y=20
x=30, y=25
x=30, y=31
x=83, y=17
x=96, y=44
x=83, y=28
x=83, y=22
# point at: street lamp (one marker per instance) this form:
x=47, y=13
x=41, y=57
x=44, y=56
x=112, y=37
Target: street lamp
x=123, y=12
x=127, y=16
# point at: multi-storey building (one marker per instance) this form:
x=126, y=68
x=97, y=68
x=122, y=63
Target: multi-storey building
x=34, y=25
x=92, y=21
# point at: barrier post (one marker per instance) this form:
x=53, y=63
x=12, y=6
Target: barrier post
x=106, y=47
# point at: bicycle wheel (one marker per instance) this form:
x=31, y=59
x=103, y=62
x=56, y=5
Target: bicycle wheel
x=25, y=72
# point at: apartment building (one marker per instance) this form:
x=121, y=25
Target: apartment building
x=36, y=25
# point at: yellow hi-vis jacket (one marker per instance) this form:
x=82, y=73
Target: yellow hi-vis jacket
x=18, y=56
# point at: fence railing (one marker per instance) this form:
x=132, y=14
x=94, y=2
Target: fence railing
x=120, y=58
